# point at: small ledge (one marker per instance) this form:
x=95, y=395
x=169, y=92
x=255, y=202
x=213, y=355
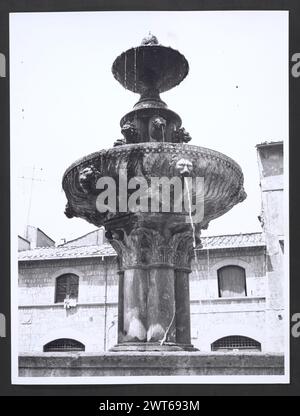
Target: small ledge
x=245, y=299
x=61, y=305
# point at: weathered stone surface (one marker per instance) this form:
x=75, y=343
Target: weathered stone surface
x=223, y=178
x=271, y=164
x=149, y=364
x=161, y=309
x=134, y=314
x=182, y=299
x=150, y=66
x=149, y=257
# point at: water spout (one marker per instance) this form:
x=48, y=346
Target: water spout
x=163, y=133
x=190, y=211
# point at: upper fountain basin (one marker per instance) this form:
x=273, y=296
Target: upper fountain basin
x=154, y=67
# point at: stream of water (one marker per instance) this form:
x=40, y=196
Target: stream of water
x=190, y=212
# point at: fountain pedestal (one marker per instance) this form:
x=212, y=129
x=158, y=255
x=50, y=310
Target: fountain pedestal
x=154, y=307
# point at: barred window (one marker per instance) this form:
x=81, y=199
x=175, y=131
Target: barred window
x=64, y=344
x=66, y=286
x=232, y=282
x=236, y=342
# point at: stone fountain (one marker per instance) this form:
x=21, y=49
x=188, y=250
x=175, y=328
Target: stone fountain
x=155, y=249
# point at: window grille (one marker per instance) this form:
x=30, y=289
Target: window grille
x=66, y=286
x=64, y=344
x=236, y=342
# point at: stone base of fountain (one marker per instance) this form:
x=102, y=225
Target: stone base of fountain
x=152, y=346
x=152, y=364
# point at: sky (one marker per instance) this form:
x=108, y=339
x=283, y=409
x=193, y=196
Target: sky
x=65, y=102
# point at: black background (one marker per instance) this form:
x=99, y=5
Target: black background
x=6, y=389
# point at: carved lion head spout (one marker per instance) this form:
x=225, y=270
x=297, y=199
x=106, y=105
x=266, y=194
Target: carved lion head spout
x=157, y=127
x=87, y=178
x=130, y=132
x=184, y=167
x=181, y=136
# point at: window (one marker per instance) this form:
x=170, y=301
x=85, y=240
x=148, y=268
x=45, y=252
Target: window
x=66, y=286
x=232, y=282
x=64, y=344
x=236, y=342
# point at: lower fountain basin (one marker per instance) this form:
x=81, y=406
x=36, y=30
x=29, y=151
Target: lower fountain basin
x=222, y=177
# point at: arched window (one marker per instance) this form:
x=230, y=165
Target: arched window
x=64, y=344
x=66, y=287
x=232, y=282
x=236, y=342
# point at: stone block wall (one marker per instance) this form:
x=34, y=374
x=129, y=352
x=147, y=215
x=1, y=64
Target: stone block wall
x=94, y=320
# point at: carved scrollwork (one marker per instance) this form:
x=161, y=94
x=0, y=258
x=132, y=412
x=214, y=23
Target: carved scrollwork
x=143, y=246
x=183, y=244
x=132, y=248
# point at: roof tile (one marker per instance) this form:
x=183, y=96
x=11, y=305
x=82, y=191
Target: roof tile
x=105, y=250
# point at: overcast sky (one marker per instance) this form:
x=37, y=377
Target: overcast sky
x=65, y=102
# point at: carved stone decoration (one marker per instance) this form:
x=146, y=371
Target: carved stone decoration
x=157, y=127
x=145, y=250
x=149, y=40
x=155, y=248
x=119, y=142
x=181, y=136
x=87, y=178
x=129, y=246
x=184, y=167
x=130, y=132
x=68, y=211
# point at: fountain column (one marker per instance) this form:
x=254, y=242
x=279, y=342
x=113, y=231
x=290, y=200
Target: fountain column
x=154, y=304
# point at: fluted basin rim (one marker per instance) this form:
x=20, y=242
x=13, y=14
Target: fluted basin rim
x=213, y=154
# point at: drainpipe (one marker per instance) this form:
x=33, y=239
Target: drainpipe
x=105, y=301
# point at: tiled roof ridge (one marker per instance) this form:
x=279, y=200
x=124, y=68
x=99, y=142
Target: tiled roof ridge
x=232, y=235
x=67, y=243
x=105, y=249
x=67, y=247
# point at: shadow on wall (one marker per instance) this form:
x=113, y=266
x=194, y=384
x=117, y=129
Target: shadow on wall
x=2, y=67
x=2, y=326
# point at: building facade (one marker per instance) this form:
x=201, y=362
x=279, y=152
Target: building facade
x=227, y=293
